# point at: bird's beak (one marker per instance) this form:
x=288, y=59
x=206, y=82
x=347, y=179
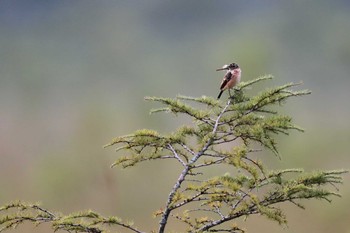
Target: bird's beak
x=224, y=68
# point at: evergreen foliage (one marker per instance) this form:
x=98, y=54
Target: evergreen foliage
x=222, y=134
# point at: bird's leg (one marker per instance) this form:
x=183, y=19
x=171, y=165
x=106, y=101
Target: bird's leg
x=231, y=96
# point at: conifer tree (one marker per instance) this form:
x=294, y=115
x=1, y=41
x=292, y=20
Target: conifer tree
x=223, y=134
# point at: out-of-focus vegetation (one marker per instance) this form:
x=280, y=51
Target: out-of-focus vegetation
x=73, y=74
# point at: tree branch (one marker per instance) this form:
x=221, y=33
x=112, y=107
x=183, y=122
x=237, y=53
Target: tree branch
x=176, y=155
x=184, y=173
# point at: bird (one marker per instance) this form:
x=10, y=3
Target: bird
x=231, y=78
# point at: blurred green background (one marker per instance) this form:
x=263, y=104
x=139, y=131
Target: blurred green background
x=73, y=75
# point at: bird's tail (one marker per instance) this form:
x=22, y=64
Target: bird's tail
x=220, y=94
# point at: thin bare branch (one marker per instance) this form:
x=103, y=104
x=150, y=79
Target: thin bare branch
x=176, y=155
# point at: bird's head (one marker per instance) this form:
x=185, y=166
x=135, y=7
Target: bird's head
x=232, y=66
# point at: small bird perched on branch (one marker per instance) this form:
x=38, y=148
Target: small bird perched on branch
x=231, y=78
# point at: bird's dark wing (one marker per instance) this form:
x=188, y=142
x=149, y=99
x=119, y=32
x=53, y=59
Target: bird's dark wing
x=227, y=78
